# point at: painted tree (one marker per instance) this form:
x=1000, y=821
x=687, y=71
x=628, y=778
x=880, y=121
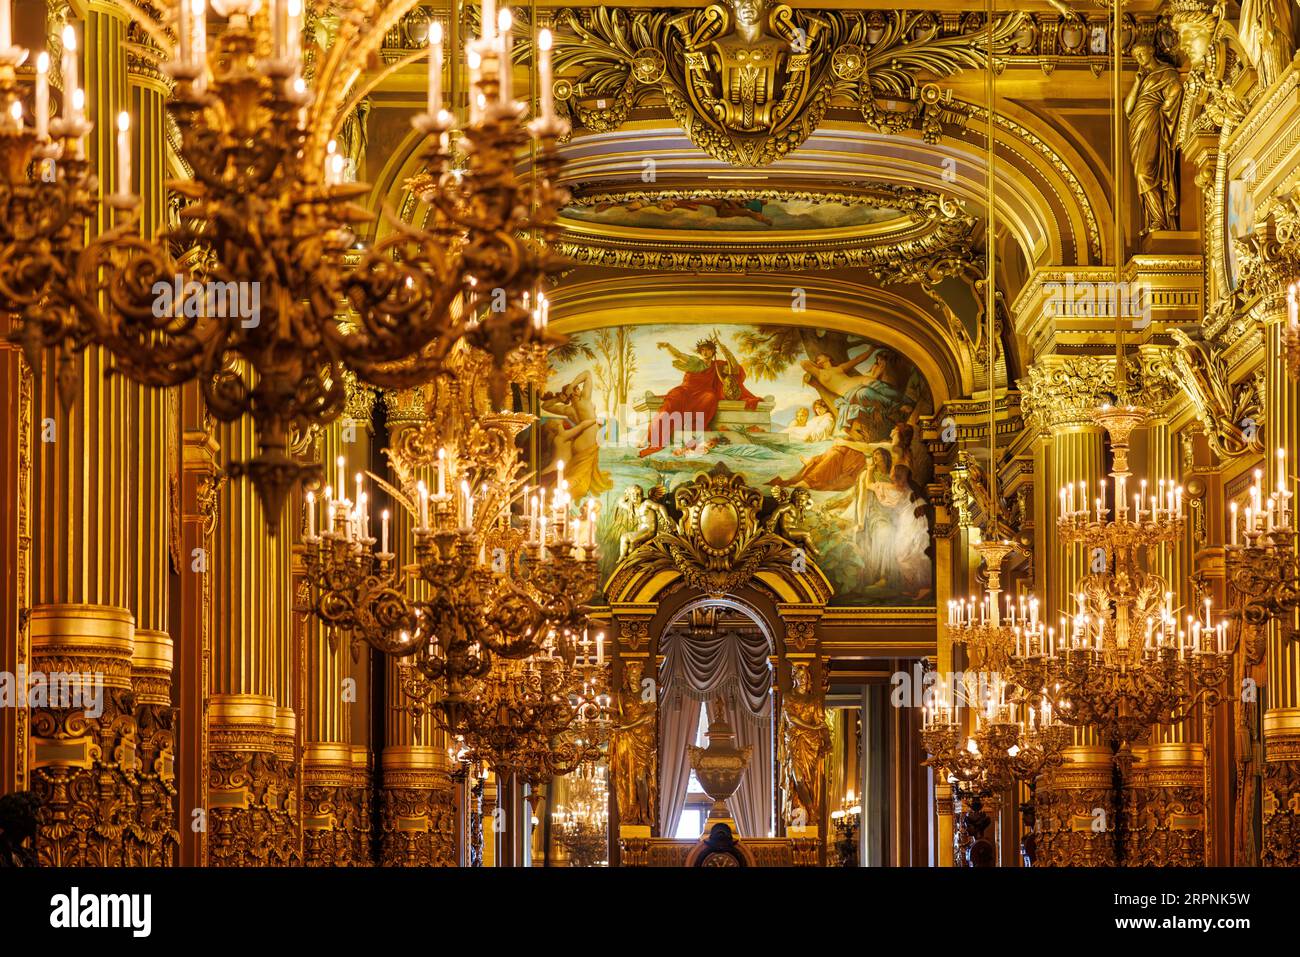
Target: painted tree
x=768, y=351
x=615, y=368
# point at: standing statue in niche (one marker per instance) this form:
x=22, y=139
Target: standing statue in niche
x=1152, y=108
x=1267, y=32
x=632, y=751
x=805, y=742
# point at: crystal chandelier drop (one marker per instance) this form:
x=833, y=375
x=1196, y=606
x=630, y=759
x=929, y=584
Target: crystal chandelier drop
x=1123, y=662
x=278, y=226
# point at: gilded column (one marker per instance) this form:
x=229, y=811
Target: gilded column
x=156, y=505
x=1075, y=810
x=417, y=816
x=1165, y=797
x=417, y=810
x=945, y=571
x=336, y=821
x=250, y=785
x=1281, y=780
x=83, y=764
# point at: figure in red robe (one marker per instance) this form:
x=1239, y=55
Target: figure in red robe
x=706, y=381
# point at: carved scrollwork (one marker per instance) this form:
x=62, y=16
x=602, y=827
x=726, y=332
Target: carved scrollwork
x=1232, y=416
x=750, y=81
x=718, y=541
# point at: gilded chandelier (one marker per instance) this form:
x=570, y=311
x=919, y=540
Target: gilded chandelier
x=1261, y=554
x=1011, y=740
x=536, y=718
x=582, y=824
x=979, y=624
x=275, y=223
x=1122, y=663
x=485, y=611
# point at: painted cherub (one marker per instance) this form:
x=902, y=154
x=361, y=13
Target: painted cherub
x=650, y=515
x=788, y=518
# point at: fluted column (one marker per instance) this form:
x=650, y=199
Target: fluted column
x=417, y=810
x=1165, y=796
x=251, y=784
x=1075, y=809
x=1281, y=783
x=83, y=767
x=156, y=509
x=336, y=820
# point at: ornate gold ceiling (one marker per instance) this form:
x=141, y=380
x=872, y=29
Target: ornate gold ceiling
x=896, y=232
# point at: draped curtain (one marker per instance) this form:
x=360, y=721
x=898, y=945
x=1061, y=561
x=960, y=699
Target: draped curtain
x=678, y=726
x=733, y=666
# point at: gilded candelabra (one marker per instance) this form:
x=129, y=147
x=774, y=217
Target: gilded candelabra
x=846, y=820
x=1122, y=663
x=290, y=294
x=1011, y=740
x=1262, y=563
x=979, y=624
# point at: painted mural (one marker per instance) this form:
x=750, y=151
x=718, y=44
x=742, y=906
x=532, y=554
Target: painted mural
x=730, y=214
x=787, y=407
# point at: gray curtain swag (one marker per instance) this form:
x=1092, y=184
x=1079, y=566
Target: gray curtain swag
x=731, y=664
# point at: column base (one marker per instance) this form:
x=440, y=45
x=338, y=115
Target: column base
x=418, y=816
x=82, y=759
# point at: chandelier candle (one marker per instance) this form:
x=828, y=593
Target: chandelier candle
x=505, y=91
x=435, y=69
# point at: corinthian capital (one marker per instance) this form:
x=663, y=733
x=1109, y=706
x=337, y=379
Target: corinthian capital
x=1062, y=391
x=1269, y=258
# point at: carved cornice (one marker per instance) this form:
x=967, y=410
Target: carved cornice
x=875, y=63
x=930, y=240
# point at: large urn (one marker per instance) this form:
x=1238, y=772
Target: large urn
x=720, y=766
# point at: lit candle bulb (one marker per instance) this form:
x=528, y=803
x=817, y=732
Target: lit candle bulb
x=41, y=107
x=424, y=504
x=505, y=91
x=383, y=545
x=311, y=515
x=124, y=154
x=69, y=70
x=435, y=69
x=199, y=48
x=544, y=82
